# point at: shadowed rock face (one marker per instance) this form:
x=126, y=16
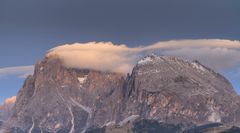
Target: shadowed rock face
x=166, y=89
x=153, y=126
x=1, y=122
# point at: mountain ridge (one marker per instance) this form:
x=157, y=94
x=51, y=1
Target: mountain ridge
x=162, y=88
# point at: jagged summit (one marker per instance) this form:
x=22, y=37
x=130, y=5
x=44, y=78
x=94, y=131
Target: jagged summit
x=153, y=64
x=161, y=88
x=173, y=68
x=161, y=62
x=153, y=59
x=178, y=90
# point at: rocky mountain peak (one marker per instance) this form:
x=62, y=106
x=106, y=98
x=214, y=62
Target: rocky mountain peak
x=174, y=90
x=58, y=98
x=151, y=59
x=161, y=88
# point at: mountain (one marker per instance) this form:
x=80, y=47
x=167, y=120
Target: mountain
x=174, y=90
x=165, y=92
x=60, y=99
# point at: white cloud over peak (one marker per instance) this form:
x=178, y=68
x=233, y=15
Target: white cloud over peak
x=106, y=56
x=103, y=56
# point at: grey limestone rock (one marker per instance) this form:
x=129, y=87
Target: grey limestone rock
x=57, y=99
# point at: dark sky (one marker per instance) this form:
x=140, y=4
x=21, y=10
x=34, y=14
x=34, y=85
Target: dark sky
x=28, y=28
x=36, y=24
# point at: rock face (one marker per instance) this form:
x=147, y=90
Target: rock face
x=153, y=126
x=57, y=99
x=172, y=90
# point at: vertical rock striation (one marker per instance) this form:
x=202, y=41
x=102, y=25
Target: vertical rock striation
x=166, y=89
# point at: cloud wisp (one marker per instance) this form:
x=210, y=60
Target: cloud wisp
x=106, y=56
x=19, y=71
x=215, y=53
x=10, y=100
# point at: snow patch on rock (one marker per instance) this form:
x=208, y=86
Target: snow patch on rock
x=111, y=123
x=148, y=72
x=214, y=117
x=198, y=66
x=145, y=61
x=72, y=120
x=58, y=125
x=82, y=80
x=87, y=109
x=33, y=124
x=126, y=120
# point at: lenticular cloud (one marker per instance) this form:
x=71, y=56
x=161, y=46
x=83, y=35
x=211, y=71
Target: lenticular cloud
x=106, y=56
x=99, y=56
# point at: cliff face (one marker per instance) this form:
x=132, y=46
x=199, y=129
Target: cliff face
x=58, y=99
x=166, y=89
x=173, y=90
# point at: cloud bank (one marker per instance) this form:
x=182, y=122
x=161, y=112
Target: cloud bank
x=19, y=71
x=106, y=56
x=9, y=101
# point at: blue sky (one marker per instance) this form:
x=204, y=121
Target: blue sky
x=28, y=28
